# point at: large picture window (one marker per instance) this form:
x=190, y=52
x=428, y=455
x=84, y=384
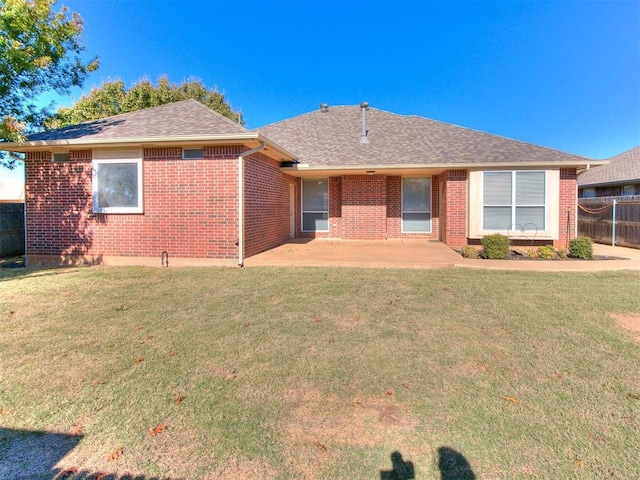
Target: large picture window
x=416, y=205
x=117, y=182
x=315, y=205
x=514, y=201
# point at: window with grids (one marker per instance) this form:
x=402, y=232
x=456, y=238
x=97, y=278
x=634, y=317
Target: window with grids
x=315, y=205
x=514, y=201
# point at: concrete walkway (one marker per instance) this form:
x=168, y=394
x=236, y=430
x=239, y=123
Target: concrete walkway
x=424, y=254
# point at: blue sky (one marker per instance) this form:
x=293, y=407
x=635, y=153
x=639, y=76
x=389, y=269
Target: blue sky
x=562, y=74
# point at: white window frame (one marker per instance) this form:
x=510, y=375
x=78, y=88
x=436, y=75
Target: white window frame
x=402, y=212
x=115, y=157
x=189, y=157
x=513, y=206
x=303, y=211
x=475, y=204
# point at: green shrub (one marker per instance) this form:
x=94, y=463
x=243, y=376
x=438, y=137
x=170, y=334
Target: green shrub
x=495, y=246
x=546, y=252
x=531, y=253
x=470, y=252
x=581, y=247
x=562, y=253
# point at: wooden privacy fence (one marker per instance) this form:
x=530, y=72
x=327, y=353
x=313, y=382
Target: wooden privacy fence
x=612, y=220
x=11, y=229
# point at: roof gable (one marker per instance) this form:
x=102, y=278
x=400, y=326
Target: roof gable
x=624, y=167
x=187, y=117
x=332, y=139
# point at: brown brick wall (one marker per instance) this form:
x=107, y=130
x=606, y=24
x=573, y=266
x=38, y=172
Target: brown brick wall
x=190, y=208
x=364, y=207
x=454, y=204
x=266, y=204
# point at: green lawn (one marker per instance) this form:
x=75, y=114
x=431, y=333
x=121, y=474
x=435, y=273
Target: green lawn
x=323, y=373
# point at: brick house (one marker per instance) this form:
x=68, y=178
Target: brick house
x=619, y=177
x=183, y=180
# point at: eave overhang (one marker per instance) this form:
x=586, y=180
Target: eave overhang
x=305, y=170
x=248, y=140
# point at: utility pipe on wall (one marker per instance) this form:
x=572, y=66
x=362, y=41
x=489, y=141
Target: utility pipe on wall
x=241, y=199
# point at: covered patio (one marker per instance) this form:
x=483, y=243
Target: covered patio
x=393, y=253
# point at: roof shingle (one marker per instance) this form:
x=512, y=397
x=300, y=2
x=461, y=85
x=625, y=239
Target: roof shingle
x=185, y=118
x=624, y=167
x=332, y=138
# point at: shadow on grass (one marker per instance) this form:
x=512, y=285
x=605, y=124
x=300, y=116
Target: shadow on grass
x=453, y=465
x=34, y=454
x=29, y=454
x=400, y=469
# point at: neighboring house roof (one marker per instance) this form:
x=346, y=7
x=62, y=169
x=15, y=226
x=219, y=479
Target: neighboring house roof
x=187, y=117
x=622, y=168
x=331, y=139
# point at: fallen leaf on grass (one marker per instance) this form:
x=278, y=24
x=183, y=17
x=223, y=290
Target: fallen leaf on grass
x=405, y=385
x=157, y=430
x=389, y=393
x=138, y=359
x=95, y=383
x=138, y=328
x=317, y=318
x=179, y=398
x=115, y=454
x=511, y=399
x=633, y=396
x=4, y=411
x=77, y=429
x=172, y=354
x=581, y=463
x=356, y=404
x=321, y=447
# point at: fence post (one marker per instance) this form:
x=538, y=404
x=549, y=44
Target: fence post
x=613, y=223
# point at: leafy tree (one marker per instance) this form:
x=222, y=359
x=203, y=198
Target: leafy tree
x=113, y=98
x=40, y=51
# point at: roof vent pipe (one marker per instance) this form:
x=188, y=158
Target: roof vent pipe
x=364, y=106
x=324, y=107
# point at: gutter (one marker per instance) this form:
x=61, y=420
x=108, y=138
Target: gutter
x=302, y=167
x=241, y=199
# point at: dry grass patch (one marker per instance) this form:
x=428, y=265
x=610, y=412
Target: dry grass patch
x=631, y=323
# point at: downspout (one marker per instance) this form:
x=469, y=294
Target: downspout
x=241, y=200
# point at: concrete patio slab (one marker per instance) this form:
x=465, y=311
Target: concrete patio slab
x=425, y=254
x=396, y=253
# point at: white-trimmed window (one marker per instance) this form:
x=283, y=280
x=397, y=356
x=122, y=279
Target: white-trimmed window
x=315, y=205
x=588, y=193
x=192, y=153
x=514, y=201
x=117, y=181
x=416, y=204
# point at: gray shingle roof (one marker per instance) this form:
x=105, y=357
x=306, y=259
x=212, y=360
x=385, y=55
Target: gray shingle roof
x=187, y=117
x=624, y=167
x=332, y=139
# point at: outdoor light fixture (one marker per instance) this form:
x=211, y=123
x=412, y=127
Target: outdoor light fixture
x=370, y=172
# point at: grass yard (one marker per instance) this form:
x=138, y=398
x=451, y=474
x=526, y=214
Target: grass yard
x=304, y=373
